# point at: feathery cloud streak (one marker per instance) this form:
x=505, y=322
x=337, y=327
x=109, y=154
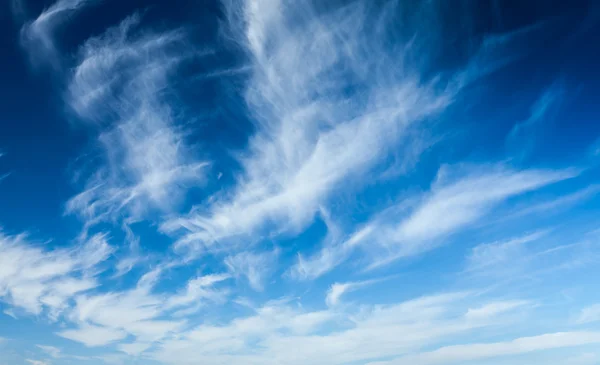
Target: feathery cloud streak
x=454, y=201
x=120, y=80
x=34, y=280
x=327, y=105
x=38, y=36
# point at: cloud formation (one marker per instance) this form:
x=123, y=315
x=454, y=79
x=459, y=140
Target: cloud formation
x=454, y=201
x=327, y=106
x=33, y=279
x=299, y=183
x=39, y=36
x=119, y=81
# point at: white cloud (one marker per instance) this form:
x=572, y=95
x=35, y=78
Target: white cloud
x=589, y=314
x=3, y=176
x=93, y=336
x=332, y=254
x=54, y=352
x=524, y=135
x=594, y=149
x=10, y=313
x=134, y=312
x=336, y=290
x=197, y=290
x=18, y=9
x=556, y=204
x=37, y=362
x=494, y=309
x=147, y=317
x=135, y=348
x=587, y=358
x=256, y=267
x=531, y=256
x=329, y=102
x=500, y=254
x=117, y=84
x=454, y=202
x=32, y=278
x=38, y=35
x=279, y=333
x=458, y=354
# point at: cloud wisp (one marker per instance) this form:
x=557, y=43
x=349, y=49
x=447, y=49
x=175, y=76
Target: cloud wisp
x=141, y=313
x=35, y=280
x=460, y=353
x=119, y=82
x=327, y=106
x=39, y=36
x=455, y=201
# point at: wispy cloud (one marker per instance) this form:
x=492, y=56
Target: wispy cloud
x=498, y=254
x=589, y=314
x=586, y=358
x=454, y=203
x=524, y=134
x=33, y=279
x=337, y=290
x=557, y=204
x=197, y=290
x=147, y=317
x=3, y=176
x=329, y=101
x=93, y=335
x=10, y=313
x=38, y=36
x=455, y=200
x=120, y=83
x=531, y=256
x=267, y=336
x=460, y=353
x=54, y=352
x=255, y=267
x=496, y=308
x=17, y=7
x=114, y=316
x=37, y=362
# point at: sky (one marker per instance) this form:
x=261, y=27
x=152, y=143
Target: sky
x=299, y=182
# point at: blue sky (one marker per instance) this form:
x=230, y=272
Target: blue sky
x=299, y=182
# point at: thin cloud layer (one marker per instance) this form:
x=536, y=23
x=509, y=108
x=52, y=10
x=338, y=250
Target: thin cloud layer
x=451, y=204
x=457, y=354
x=34, y=280
x=119, y=81
x=38, y=36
